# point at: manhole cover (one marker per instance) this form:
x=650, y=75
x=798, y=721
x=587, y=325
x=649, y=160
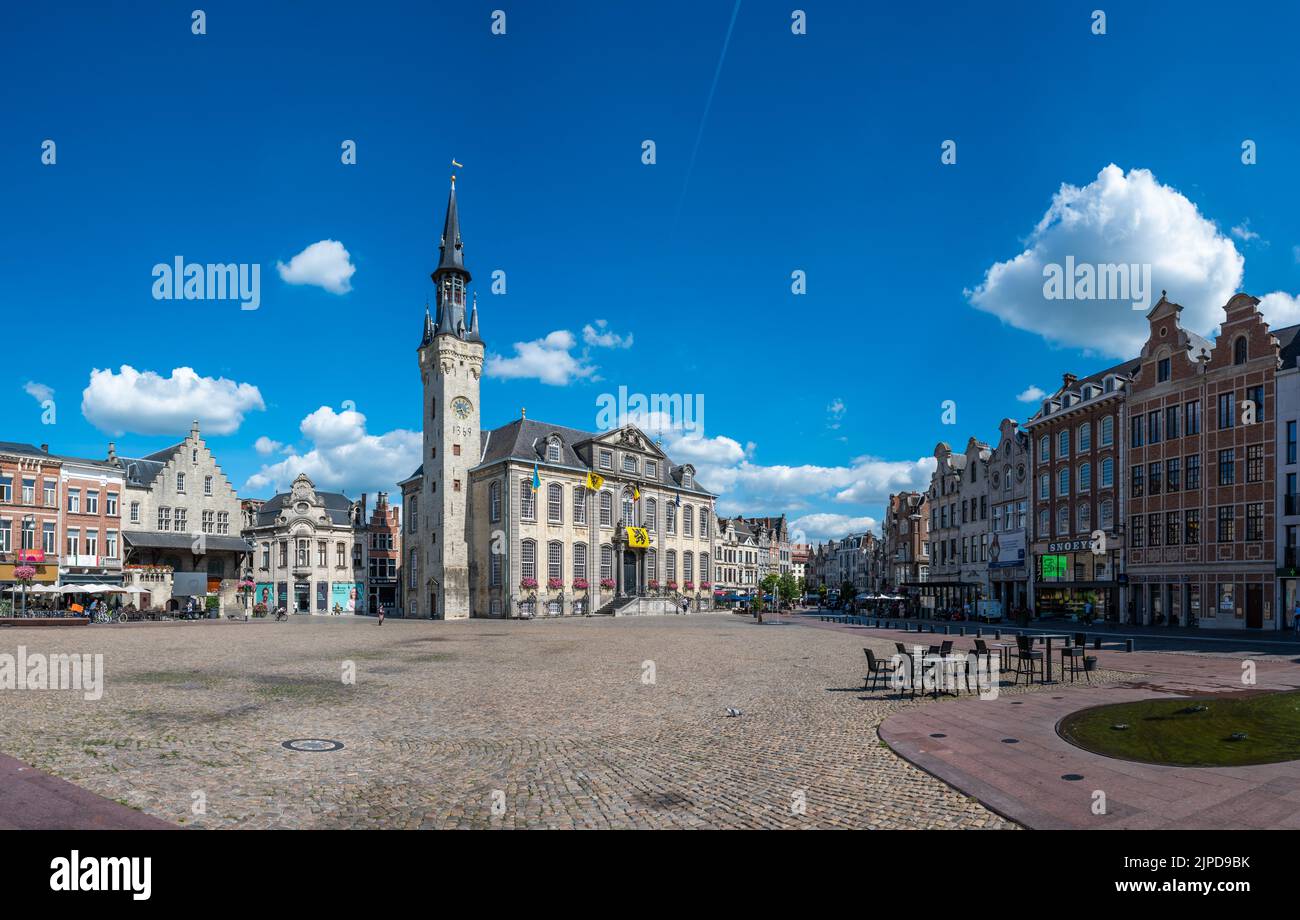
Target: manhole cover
x=313, y=745
x=1010, y=740
x=938, y=735
x=1072, y=777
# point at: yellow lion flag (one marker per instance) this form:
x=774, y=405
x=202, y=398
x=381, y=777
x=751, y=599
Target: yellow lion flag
x=636, y=493
x=638, y=536
x=595, y=481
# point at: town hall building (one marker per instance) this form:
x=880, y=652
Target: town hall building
x=535, y=519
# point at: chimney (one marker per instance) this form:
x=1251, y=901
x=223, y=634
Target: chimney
x=45, y=448
x=112, y=451
x=194, y=428
x=1068, y=380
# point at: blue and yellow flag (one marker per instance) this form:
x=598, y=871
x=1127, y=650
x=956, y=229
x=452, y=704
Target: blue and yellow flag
x=595, y=481
x=537, y=479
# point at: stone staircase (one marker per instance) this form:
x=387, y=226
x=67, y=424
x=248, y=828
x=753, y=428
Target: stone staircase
x=638, y=606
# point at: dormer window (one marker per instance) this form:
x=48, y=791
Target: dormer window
x=1239, y=351
x=651, y=470
x=688, y=479
x=553, y=450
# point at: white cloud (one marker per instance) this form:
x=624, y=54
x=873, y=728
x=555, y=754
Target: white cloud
x=145, y=402
x=346, y=458
x=324, y=264
x=549, y=360
x=821, y=527
x=1117, y=218
x=38, y=391
x=266, y=446
x=1243, y=232
x=1031, y=394
x=599, y=336
x=1280, y=309
x=835, y=413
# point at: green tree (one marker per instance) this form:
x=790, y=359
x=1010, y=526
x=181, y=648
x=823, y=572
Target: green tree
x=788, y=587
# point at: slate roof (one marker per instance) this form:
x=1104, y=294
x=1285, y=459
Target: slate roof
x=337, y=506
x=525, y=440
x=13, y=447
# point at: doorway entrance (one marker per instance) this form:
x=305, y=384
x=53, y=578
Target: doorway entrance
x=1254, y=606
x=301, y=597
x=629, y=572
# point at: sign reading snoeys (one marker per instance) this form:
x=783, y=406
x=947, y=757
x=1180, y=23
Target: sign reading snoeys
x=1070, y=546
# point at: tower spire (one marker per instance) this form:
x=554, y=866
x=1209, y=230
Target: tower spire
x=451, y=247
x=451, y=277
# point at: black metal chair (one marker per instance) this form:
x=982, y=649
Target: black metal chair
x=876, y=668
x=1026, y=657
x=945, y=647
x=1072, y=660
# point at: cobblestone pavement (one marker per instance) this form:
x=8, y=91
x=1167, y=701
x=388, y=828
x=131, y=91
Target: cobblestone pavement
x=548, y=723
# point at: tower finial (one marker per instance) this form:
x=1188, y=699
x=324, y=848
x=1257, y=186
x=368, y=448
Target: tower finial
x=523, y=412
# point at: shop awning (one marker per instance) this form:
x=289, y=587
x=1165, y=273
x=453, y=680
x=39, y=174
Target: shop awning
x=184, y=541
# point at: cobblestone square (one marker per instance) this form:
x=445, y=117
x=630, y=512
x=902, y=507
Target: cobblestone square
x=546, y=723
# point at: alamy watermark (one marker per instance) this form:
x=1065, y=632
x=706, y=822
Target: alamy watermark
x=1103, y=281
x=683, y=412
x=183, y=280
x=37, y=671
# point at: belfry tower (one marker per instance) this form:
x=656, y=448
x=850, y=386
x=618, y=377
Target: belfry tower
x=451, y=362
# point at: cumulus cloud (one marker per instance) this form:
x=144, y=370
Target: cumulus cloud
x=1118, y=218
x=1031, y=394
x=265, y=446
x=324, y=264
x=550, y=360
x=38, y=391
x=821, y=527
x=344, y=457
x=600, y=336
x=1280, y=309
x=144, y=402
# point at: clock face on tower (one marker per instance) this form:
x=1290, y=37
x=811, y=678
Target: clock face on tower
x=460, y=405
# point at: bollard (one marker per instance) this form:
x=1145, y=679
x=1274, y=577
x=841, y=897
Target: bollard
x=997, y=635
x=1128, y=645
x=1096, y=642
x=979, y=633
x=945, y=630
x=961, y=630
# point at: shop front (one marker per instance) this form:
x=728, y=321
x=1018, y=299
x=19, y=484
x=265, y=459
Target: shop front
x=1072, y=580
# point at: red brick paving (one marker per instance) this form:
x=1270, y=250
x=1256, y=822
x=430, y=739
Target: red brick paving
x=32, y=800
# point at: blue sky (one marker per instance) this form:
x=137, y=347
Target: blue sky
x=820, y=153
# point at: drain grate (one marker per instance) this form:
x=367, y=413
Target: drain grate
x=313, y=745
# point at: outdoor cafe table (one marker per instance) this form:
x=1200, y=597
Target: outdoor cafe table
x=920, y=658
x=1048, y=637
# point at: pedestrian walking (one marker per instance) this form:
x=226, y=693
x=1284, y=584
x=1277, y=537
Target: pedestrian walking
x=381, y=615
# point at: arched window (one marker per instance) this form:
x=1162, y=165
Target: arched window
x=1063, y=481
x=554, y=560
x=670, y=517
x=494, y=501
x=528, y=559
x=1239, y=350
x=651, y=565
x=606, y=562
x=1107, y=473
x=580, y=505
x=1107, y=431
x=704, y=567
x=527, y=502
x=606, y=509
x=580, y=561
x=670, y=566
x=1084, y=516
x=553, y=450
x=1106, y=514
x=1044, y=449
x=555, y=504
x=688, y=521
x=688, y=479
x=688, y=567
x=1063, y=519
x=629, y=510
x=651, y=512
x=704, y=528
x=1085, y=437
x=1085, y=477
